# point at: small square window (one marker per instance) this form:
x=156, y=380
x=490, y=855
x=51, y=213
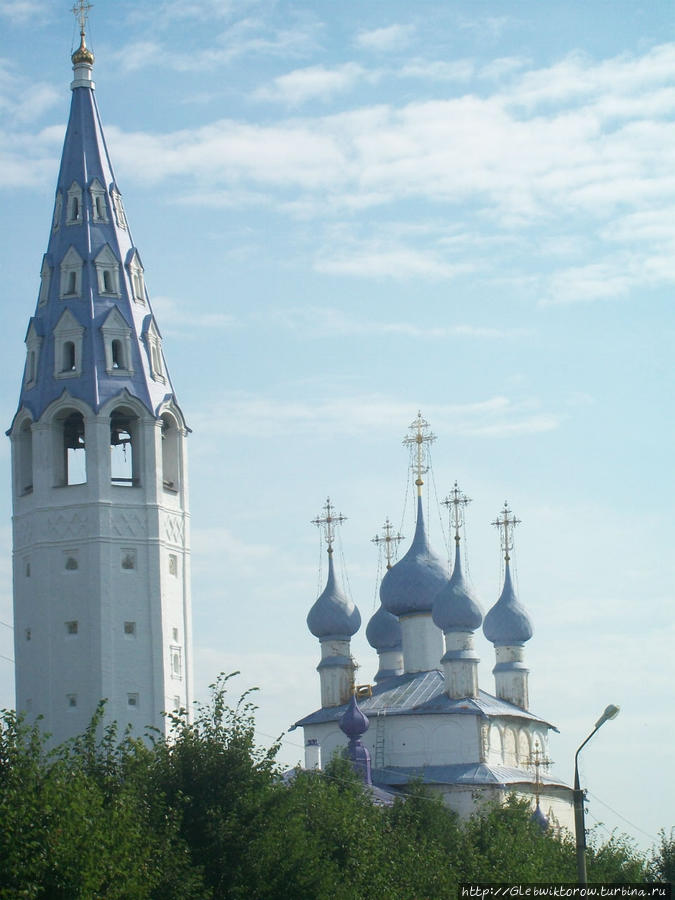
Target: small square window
x=130, y=629
x=128, y=560
x=72, y=627
x=132, y=699
x=29, y=634
x=173, y=564
x=71, y=564
x=71, y=700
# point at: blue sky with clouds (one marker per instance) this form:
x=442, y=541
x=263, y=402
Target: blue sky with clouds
x=349, y=212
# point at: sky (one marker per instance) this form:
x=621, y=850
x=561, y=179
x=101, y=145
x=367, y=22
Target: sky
x=349, y=212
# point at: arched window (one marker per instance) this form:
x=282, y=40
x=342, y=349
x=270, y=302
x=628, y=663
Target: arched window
x=100, y=207
x=70, y=461
x=117, y=355
x=24, y=459
x=107, y=281
x=68, y=357
x=74, y=209
x=170, y=453
x=124, y=462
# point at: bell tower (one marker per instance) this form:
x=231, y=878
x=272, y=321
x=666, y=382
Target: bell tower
x=99, y=469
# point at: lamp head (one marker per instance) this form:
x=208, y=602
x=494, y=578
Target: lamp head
x=611, y=712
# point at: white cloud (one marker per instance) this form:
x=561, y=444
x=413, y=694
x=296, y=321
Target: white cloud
x=389, y=262
x=328, y=321
x=20, y=12
x=460, y=70
x=389, y=37
x=256, y=415
x=183, y=318
x=310, y=83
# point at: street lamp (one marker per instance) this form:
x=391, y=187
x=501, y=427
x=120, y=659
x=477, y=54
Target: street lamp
x=579, y=823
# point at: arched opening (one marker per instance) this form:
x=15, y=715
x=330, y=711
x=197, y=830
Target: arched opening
x=138, y=285
x=124, y=463
x=170, y=453
x=74, y=209
x=100, y=210
x=68, y=357
x=117, y=355
x=31, y=368
x=24, y=459
x=107, y=281
x=71, y=461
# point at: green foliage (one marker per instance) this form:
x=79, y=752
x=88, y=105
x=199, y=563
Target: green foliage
x=616, y=861
x=662, y=861
x=205, y=815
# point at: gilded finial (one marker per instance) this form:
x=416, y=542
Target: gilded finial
x=389, y=540
x=506, y=523
x=81, y=11
x=328, y=522
x=419, y=436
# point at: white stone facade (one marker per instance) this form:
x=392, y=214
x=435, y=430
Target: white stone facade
x=101, y=565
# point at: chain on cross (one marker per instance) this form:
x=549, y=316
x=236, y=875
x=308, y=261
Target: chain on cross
x=328, y=522
x=419, y=436
x=506, y=523
x=456, y=502
x=389, y=540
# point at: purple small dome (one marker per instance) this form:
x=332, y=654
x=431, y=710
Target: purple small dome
x=353, y=722
x=456, y=607
x=539, y=818
x=507, y=622
x=411, y=585
x=333, y=615
x=384, y=631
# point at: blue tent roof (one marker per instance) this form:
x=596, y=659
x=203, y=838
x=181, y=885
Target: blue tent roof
x=86, y=172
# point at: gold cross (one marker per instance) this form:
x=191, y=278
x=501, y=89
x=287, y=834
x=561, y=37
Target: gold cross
x=81, y=11
x=388, y=539
x=506, y=522
x=456, y=502
x=419, y=436
x=328, y=522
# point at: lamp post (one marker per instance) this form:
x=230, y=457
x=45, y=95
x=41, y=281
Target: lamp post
x=579, y=823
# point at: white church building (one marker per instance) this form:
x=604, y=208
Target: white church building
x=427, y=717
x=99, y=471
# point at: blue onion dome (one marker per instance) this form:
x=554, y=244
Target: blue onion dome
x=333, y=615
x=456, y=606
x=411, y=585
x=353, y=722
x=539, y=818
x=384, y=631
x=507, y=622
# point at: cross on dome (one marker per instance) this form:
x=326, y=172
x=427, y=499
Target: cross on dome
x=456, y=502
x=419, y=436
x=506, y=523
x=536, y=761
x=328, y=523
x=388, y=539
x=81, y=12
